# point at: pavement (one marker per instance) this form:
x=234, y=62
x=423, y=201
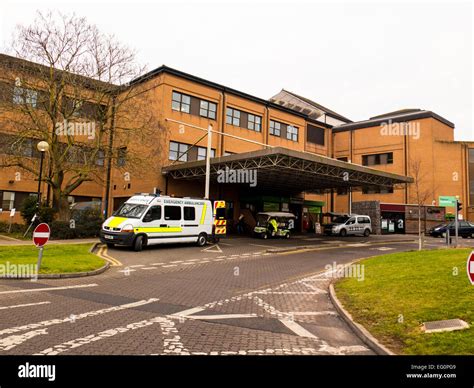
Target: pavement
x=230, y=298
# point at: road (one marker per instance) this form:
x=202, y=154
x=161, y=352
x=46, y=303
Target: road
x=231, y=298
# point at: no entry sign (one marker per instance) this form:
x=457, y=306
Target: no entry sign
x=470, y=267
x=41, y=235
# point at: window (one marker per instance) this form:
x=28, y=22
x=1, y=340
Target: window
x=181, y=102
x=375, y=159
x=363, y=220
x=178, y=150
x=292, y=133
x=275, y=128
x=172, y=213
x=121, y=157
x=233, y=117
x=153, y=214
x=25, y=96
x=208, y=109
x=254, y=123
x=8, y=200
x=377, y=190
x=189, y=213
x=471, y=177
x=100, y=158
x=315, y=135
x=202, y=151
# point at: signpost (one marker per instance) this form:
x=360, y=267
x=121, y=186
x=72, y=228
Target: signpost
x=470, y=267
x=40, y=238
x=447, y=201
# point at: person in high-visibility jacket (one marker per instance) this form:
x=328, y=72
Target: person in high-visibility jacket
x=273, y=226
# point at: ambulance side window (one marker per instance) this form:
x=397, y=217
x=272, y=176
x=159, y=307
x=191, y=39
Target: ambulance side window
x=153, y=214
x=172, y=213
x=189, y=213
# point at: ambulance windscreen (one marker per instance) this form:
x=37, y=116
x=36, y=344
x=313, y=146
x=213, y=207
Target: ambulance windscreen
x=130, y=210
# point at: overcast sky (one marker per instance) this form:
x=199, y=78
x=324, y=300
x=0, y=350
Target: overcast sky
x=359, y=59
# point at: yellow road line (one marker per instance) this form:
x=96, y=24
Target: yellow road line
x=102, y=253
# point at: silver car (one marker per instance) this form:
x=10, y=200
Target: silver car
x=352, y=225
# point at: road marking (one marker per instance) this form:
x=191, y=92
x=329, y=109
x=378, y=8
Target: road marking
x=148, y=268
x=382, y=249
x=171, y=265
x=222, y=316
x=157, y=263
x=177, y=261
x=48, y=289
x=137, y=265
x=104, y=254
x=75, y=343
x=204, y=258
x=204, y=261
x=23, y=305
x=212, y=249
x=261, y=245
x=297, y=329
x=15, y=340
x=218, y=260
x=223, y=243
x=185, y=313
x=127, y=270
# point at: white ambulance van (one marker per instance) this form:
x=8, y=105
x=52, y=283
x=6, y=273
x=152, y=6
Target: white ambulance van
x=149, y=219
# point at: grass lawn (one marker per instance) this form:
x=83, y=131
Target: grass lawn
x=420, y=287
x=56, y=258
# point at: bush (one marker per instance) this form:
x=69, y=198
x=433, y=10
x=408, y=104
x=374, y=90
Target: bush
x=28, y=210
x=83, y=224
x=16, y=228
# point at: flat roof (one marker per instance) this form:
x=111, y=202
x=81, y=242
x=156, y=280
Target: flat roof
x=288, y=171
x=397, y=117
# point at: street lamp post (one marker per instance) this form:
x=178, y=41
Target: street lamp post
x=42, y=148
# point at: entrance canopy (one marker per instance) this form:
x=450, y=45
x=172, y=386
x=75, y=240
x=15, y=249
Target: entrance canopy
x=281, y=170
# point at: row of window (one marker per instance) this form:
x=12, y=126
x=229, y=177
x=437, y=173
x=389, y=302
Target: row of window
x=184, y=153
x=238, y=118
x=172, y=213
x=192, y=105
x=377, y=159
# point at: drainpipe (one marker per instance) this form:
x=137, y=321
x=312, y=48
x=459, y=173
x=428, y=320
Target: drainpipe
x=109, y=161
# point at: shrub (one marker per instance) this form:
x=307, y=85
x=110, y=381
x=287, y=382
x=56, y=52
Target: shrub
x=87, y=223
x=16, y=228
x=28, y=210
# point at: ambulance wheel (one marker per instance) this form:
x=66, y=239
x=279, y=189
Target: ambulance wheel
x=202, y=239
x=138, y=244
x=366, y=233
x=264, y=236
x=110, y=245
x=343, y=233
x=287, y=236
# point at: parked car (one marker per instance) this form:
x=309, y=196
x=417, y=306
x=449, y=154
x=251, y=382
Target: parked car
x=466, y=229
x=349, y=225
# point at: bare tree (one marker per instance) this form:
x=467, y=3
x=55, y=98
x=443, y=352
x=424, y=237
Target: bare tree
x=71, y=88
x=421, y=193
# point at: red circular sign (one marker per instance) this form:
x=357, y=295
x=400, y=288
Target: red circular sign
x=41, y=234
x=470, y=267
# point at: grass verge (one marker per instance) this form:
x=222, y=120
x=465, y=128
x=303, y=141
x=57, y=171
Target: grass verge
x=402, y=290
x=65, y=258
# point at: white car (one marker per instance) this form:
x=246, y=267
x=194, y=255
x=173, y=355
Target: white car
x=352, y=224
